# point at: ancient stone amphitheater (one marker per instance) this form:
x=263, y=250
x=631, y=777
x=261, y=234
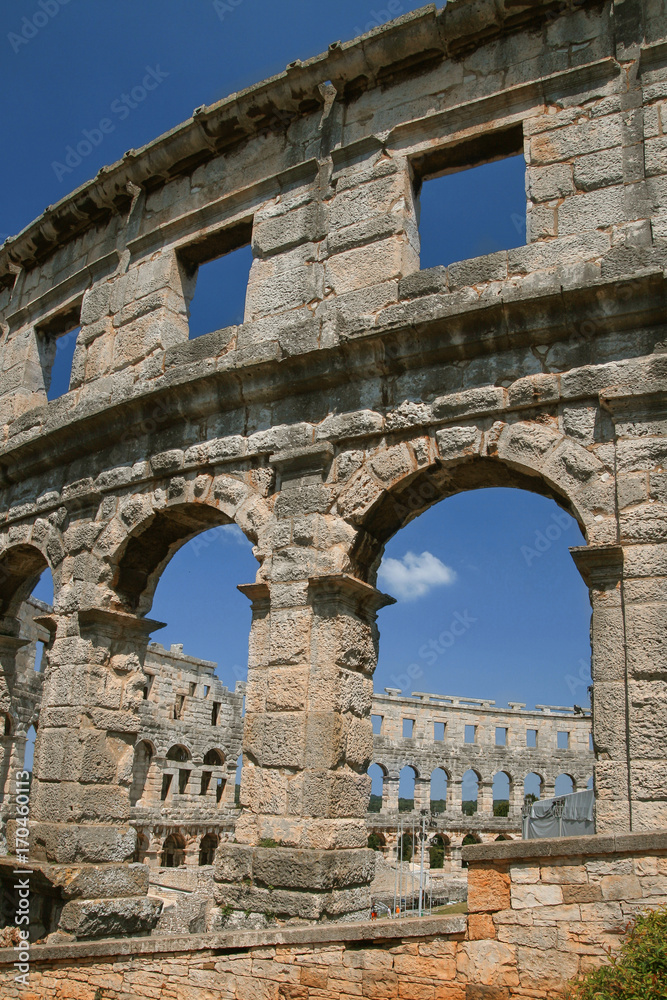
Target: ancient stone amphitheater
x=358, y=391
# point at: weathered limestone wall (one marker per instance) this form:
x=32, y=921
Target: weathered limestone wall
x=485, y=755
x=191, y=733
x=540, y=914
x=359, y=391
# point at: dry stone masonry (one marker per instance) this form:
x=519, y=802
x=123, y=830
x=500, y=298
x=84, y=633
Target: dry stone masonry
x=358, y=391
x=501, y=744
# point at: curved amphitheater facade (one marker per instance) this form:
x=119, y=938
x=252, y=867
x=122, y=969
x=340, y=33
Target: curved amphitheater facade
x=358, y=391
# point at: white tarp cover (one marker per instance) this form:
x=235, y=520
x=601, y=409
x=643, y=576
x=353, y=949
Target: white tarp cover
x=576, y=819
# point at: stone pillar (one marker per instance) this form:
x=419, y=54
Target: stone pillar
x=516, y=799
x=390, y=793
x=80, y=800
x=422, y=794
x=9, y=646
x=454, y=796
x=307, y=745
x=602, y=569
x=485, y=798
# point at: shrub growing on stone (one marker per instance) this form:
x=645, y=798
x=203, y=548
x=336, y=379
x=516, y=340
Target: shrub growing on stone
x=638, y=971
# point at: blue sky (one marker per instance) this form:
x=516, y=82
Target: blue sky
x=526, y=621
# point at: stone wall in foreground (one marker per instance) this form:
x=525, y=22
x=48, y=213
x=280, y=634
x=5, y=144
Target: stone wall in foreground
x=541, y=913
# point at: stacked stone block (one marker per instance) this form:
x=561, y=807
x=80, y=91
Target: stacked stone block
x=358, y=391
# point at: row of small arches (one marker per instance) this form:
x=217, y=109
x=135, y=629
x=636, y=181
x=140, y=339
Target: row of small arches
x=172, y=851
x=503, y=785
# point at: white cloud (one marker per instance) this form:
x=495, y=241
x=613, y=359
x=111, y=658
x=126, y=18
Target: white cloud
x=414, y=576
x=231, y=533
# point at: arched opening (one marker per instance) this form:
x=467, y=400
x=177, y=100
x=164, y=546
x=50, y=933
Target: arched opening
x=377, y=774
x=208, y=845
x=407, y=847
x=502, y=790
x=439, y=849
x=406, y=788
x=533, y=787
x=215, y=758
x=470, y=792
x=376, y=841
x=173, y=851
x=503, y=836
x=21, y=567
x=565, y=784
x=438, y=791
x=143, y=757
x=142, y=848
x=178, y=753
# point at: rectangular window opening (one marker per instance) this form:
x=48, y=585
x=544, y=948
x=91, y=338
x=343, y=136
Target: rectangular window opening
x=40, y=658
x=531, y=737
x=470, y=735
x=193, y=688
x=408, y=728
x=591, y=745
x=438, y=731
x=219, y=790
x=178, y=706
x=166, y=785
x=205, y=782
x=217, y=270
x=215, y=713
x=56, y=342
x=148, y=686
x=183, y=778
x=563, y=741
x=377, y=721
x=472, y=203
x=501, y=736
x=206, y=690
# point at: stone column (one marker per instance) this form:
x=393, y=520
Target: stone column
x=390, y=793
x=454, y=796
x=80, y=801
x=485, y=798
x=422, y=794
x=602, y=569
x=516, y=799
x=9, y=646
x=307, y=745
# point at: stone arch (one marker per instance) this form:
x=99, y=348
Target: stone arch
x=527, y=783
x=384, y=774
x=143, y=847
x=439, y=850
x=214, y=758
x=569, y=778
x=396, y=483
x=438, y=803
x=503, y=773
x=149, y=528
x=178, y=753
x=208, y=845
x=173, y=851
x=21, y=566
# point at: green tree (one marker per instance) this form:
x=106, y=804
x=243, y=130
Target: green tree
x=638, y=971
x=375, y=804
x=375, y=841
x=501, y=807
